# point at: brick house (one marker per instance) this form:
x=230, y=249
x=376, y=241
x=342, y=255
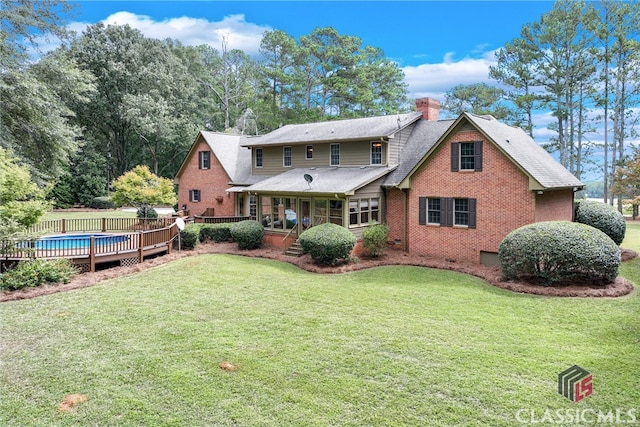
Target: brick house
x=447, y=188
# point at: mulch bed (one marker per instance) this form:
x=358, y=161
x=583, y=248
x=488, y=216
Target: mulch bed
x=391, y=257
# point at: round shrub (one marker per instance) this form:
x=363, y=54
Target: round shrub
x=146, y=212
x=248, y=234
x=374, y=239
x=102, y=203
x=328, y=243
x=602, y=216
x=215, y=232
x=190, y=236
x=556, y=252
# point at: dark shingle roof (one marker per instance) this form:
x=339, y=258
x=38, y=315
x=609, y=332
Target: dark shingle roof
x=425, y=134
x=522, y=149
x=325, y=180
x=338, y=130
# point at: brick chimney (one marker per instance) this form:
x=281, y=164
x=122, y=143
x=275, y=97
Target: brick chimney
x=430, y=108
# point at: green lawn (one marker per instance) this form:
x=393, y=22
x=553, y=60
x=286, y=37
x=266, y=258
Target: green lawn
x=379, y=347
x=97, y=213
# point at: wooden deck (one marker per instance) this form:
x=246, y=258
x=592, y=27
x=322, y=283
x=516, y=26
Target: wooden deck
x=151, y=237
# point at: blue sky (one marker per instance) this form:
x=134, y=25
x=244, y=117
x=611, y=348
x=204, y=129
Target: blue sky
x=438, y=44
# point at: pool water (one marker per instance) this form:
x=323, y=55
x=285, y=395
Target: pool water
x=74, y=241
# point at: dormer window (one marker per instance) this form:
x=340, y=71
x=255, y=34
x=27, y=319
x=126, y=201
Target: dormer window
x=376, y=153
x=309, y=152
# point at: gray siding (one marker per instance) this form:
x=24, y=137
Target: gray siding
x=353, y=153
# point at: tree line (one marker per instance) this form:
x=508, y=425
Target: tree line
x=110, y=99
x=580, y=62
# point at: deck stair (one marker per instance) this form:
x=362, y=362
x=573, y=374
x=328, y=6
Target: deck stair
x=295, y=249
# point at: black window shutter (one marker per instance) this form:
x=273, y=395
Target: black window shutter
x=477, y=154
x=455, y=156
x=422, y=210
x=472, y=213
x=446, y=211
x=199, y=159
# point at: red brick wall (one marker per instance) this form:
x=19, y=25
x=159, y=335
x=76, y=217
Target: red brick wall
x=211, y=182
x=395, y=217
x=554, y=206
x=502, y=194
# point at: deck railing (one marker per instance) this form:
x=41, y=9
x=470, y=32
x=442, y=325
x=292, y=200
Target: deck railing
x=153, y=236
x=98, y=224
x=200, y=219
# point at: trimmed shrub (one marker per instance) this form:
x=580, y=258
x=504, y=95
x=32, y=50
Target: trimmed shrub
x=328, y=243
x=190, y=236
x=102, y=203
x=374, y=239
x=248, y=234
x=146, y=212
x=37, y=272
x=602, y=216
x=215, y=232
x=554, y=252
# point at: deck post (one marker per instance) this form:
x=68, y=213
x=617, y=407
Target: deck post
x=64, y=226
x=104, y=225
x=92, y=254
x=140, y=247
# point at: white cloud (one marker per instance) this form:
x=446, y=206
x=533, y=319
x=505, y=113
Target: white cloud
x=434, y=80
x=238, y=33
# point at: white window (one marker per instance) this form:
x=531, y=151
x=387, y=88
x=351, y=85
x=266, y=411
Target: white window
x=335, y=155
x=286, y=156
x=376, y=153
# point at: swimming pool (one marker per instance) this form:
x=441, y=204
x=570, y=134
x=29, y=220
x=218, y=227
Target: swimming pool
x=78, y=241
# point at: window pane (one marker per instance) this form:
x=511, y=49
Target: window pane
x=258, y=157
x=375, y=210
x=461, y=212
x=467, y=159
x=353, y=212
x=364, y=211
x=335, y=212
x=376, y=153
x=253, y=208
x=320, y=213
x=286, y=161
x=433, y=208
x=335, y=155
x=265, y=213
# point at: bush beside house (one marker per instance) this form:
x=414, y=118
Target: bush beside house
x=248, y=234
x=374, y=239
x=328, y=243
x=556, y=252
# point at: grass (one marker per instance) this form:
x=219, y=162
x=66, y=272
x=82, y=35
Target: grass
x=96, y=213
x=386, y=346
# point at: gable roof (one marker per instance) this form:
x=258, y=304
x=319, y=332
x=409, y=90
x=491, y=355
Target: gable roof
x=333, y=180
x=336, y=131
x=425, y=134
x=534, y=160
x=228, y=149
x=544, y=172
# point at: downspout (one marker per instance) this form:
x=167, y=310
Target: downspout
x=405, y=192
